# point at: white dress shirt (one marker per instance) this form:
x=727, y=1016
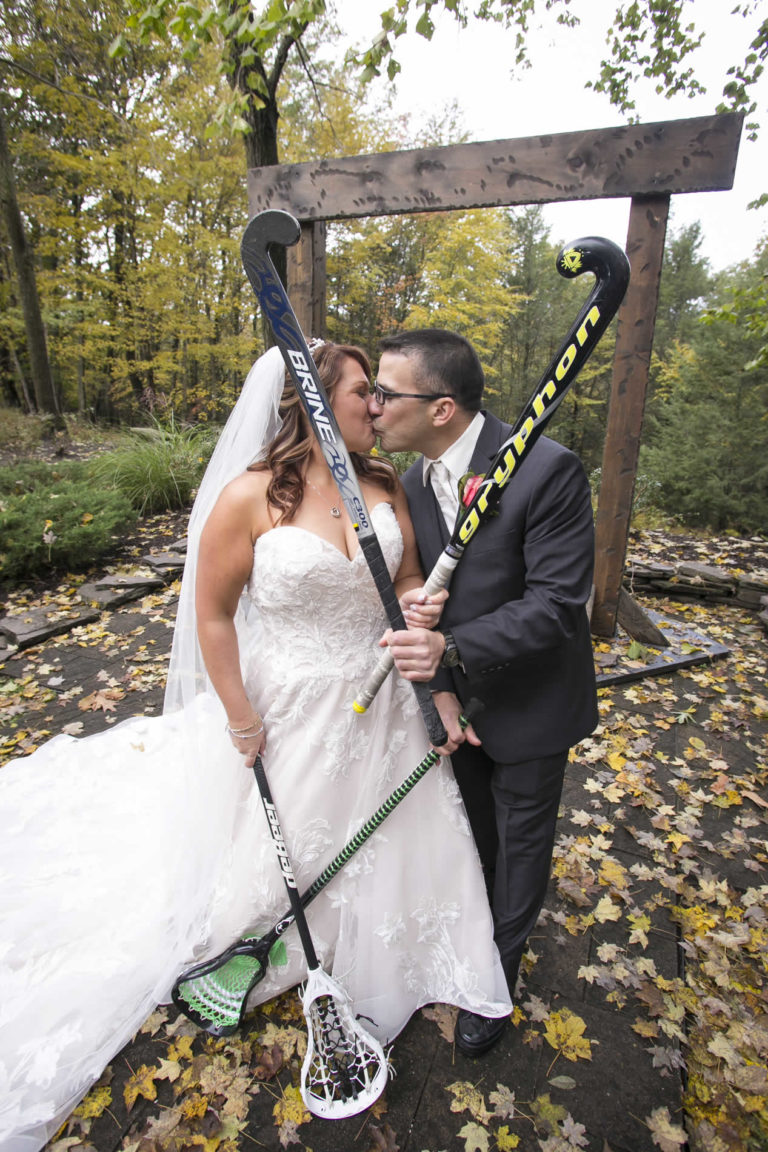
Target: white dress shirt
x=445, y=472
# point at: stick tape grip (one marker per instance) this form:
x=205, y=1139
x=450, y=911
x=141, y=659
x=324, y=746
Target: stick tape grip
x=438, y=578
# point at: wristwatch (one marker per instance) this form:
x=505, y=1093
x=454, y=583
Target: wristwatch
x=451, y=655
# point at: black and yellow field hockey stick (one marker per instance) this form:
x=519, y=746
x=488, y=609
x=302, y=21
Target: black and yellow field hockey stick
x=610, y=267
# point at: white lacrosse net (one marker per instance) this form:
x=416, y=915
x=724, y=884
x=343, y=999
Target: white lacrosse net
x=345, y=1069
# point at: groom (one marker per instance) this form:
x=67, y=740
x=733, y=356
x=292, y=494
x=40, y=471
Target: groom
x=514, y=631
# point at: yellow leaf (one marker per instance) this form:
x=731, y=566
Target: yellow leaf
x=181, y=1049
x=517, y=1015
x=506, y=1140
x=288, y=1040
x=87, y=517
x=194, y=1107
x=612, y=874
x=466, y=1098
x=564, y=1031
x=291, y=1109
x=95, y=1103
x=142, y=1083
x=547, y=1115
x=640, y=927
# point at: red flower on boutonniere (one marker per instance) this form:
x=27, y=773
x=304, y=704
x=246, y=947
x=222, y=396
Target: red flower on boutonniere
x=469, y=486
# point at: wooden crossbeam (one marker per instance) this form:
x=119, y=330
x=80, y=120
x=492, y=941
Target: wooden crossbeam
x=668, y=157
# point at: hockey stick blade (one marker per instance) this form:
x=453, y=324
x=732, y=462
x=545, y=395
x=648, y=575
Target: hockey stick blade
x=277, y=227
x=610, y=267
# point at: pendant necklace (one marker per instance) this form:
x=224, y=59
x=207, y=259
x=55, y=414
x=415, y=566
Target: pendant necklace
x=335, y=510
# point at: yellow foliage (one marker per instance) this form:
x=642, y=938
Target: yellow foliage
x=564, y=1031
x=506, y=1141
x=95, y=1103
x=142, y=1083
x=466, y=1098
x=291, y=1109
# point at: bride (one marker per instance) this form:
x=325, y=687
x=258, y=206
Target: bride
x=130, y=854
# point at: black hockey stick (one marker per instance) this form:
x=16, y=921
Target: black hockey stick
x=275, y=227
x=611, y=270
x=213, y=994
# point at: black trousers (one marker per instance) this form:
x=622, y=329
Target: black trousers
x=512, y=811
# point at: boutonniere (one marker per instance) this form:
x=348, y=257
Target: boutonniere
x=469, y=485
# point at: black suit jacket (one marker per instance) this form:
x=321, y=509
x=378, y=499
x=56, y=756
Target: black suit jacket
x=517, y=601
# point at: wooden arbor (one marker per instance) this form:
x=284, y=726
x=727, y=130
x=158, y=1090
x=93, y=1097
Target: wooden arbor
x=647, y=162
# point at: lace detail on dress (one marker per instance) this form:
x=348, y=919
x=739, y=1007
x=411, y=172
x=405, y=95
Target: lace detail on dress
x=405, y=923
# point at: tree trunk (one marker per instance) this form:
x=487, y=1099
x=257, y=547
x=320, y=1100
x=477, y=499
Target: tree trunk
x=261, y=113
x=37, y=350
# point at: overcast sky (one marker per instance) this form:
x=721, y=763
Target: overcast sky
x=473, y=67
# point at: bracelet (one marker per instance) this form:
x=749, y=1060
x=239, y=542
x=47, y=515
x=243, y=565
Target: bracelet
x=243, y=733
x=240, y=731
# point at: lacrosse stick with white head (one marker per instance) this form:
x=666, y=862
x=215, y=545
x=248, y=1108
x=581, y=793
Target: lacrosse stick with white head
x=345, y=1069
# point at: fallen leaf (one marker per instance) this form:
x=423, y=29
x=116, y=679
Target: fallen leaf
x=564, y=1031
x=607, y=910
x=103, y=700
x=288, y=1040
x=269, y=1063
x=444, y=1015
x=95, y=1103
x=475, y=1138
x=466, y=1098
x=503, y=1101
x=546, y=1115
x=383, y=1139
x=566, y=1083
x=142, y=1083
x=668, y=1136
x=290, y=1111
x=506, y=1141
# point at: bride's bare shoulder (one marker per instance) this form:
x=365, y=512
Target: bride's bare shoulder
x=245, y=496
x=249, y=484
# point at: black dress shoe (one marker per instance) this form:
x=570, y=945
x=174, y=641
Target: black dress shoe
x=474, y=1035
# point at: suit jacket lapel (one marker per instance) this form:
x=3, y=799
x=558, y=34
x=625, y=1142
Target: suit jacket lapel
x=431, y=530
x=492, y=436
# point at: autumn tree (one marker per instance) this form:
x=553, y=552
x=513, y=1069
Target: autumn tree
x=42, y=381
x=706, y=441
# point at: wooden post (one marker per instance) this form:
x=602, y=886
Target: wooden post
x=637, y=315
x=306, y=279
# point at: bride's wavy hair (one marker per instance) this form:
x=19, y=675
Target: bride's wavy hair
x=287, y=456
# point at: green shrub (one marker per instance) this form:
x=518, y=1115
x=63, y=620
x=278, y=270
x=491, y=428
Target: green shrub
x=64, y=523
x=27, y=475
x=161, y=467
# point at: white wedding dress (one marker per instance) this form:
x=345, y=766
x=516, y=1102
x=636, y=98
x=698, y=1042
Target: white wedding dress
x=129, y=854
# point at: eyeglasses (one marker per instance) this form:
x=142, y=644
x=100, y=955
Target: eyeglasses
x=382, y=394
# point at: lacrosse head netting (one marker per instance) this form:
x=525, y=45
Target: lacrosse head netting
x=214, y=995
x=345, y=1069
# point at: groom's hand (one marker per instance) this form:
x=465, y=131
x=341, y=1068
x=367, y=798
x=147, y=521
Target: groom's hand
x=450, y=709
x=416, y=652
